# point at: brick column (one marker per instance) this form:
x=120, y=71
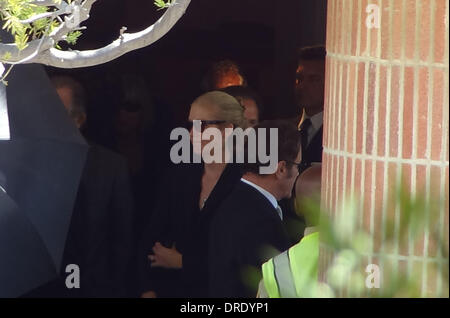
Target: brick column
x=386, y=119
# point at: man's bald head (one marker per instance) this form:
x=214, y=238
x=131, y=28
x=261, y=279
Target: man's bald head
x=309, y=182
x=307, y=189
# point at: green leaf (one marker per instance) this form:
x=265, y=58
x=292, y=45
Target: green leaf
x=6, y=56
x=72, y=37
x=161, y=4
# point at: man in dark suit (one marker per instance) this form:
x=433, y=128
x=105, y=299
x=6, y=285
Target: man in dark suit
x=101, y=230
x=309, y=91
x=247, y=227
x=100, y=238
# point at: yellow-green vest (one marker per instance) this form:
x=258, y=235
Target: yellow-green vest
x=293, y=273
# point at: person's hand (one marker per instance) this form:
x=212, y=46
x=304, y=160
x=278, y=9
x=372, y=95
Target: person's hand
x=149, y=294
x=165, y=257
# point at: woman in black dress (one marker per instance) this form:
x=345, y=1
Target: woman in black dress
x=174, y=244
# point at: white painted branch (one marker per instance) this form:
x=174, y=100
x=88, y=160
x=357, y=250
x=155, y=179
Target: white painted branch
x=125, y=43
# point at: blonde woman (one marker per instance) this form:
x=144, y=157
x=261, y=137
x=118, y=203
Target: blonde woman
x=174, y=245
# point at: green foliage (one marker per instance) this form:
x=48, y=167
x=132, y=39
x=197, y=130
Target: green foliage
x=350, y=245
x=14, y=14
x=6, y=56
x=161, y=4
x=14, y=11
x=72, y=37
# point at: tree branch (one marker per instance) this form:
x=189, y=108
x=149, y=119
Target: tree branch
x=39, y=46
x=126, y=42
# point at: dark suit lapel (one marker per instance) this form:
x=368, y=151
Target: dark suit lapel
x=264, y=203
x=314, y=150
x=316, y=139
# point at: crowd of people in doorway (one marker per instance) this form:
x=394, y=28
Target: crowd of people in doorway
x=145, y=227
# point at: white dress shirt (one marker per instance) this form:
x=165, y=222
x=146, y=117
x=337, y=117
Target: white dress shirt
x=267, y=194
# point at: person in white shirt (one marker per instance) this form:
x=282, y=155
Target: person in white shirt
x=248, y=228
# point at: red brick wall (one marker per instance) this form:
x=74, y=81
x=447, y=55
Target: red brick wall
x=387, y=118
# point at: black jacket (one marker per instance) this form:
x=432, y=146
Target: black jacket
x=313, y=152
x=100, y=237
x=177, y=219
x=101, y=231
x=243, y=233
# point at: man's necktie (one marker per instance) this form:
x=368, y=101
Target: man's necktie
x=280, y=212
x=304, y=127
